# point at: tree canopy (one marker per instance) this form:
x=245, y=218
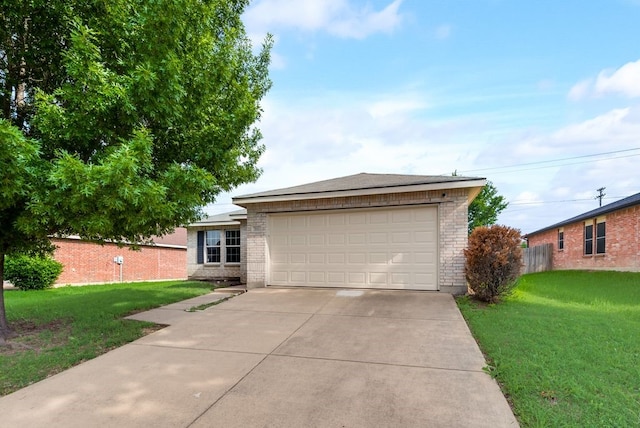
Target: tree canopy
x=486, y=207
x=121, y=119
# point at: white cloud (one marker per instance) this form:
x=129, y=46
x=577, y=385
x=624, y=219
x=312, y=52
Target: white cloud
x=624, y=81
x=337, y=17
x=580, y=90
x=390, y=107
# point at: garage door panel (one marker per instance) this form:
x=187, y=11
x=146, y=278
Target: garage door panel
x=335, y=239
x=357, y=258
x=357, y=238
x=357, y=278
x=378, y=258
x=401, y=237
x=299, y=277
x=378, y=278
x=317, y=277
x=424, y=237
x=317, y=259
x=357, y=219
x=368, y=248
x=379, y=218
x=336, y=258
x=378, y=238
x=317, y=240
x=402, y=258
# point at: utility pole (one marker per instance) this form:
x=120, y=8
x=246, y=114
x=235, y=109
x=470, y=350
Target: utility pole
x=601, y=194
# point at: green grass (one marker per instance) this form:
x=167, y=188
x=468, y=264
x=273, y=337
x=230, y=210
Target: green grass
x=565, y=347
x=64, y=326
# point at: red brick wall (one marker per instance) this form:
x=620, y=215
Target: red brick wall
x=86, y=262
x=622, y=250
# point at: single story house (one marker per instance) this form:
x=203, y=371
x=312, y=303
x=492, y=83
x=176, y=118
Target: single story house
x=384, y=231
x=604, y=238
x=87, y=262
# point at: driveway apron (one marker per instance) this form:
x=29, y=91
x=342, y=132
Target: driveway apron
x=281, y=357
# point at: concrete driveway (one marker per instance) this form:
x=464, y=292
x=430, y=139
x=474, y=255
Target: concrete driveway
x=281, y=358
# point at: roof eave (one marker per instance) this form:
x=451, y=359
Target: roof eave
x=215, y=223
x=474, y=184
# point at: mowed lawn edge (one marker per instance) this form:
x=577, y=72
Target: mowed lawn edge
x=62, y=327
x=564, y=347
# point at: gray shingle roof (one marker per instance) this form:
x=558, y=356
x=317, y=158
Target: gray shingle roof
x=228, y=217
x=614, y=206
x=361, y=181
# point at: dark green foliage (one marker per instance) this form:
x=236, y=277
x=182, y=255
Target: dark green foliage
x=493, y=260
x=486, y=207
x=32, y=273
x=121, y=119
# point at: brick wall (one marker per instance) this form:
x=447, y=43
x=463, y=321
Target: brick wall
x=452, y=229
x=87, y=263
x=622, y=248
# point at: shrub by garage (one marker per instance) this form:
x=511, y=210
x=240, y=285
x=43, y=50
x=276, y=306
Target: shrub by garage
x=493, y=259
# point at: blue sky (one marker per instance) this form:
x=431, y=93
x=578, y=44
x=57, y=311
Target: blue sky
x=474, y=86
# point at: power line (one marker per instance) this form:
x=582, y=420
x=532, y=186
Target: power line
x=564, y=200
x=563, y=164
x=557, y=160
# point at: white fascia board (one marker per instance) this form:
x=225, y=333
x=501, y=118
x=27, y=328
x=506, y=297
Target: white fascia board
x=214, y=223
x=363, y=192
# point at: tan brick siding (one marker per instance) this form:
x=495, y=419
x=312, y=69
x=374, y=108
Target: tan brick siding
x=622, y=248
x=89, y=263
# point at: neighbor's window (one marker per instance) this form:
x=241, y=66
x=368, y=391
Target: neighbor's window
x=212, y=246
x=601, y=229
x=232, y=246
x=560, y=240
x=588, y=239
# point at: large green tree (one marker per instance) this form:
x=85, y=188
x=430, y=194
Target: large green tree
x=486, y=207
x=120, y=119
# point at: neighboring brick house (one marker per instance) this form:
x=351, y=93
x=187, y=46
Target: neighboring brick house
x=605, y=238
x=382, y=231
x=90, y=263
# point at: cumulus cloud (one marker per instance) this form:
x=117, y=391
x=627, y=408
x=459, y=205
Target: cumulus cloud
x=339, y=18
x=624, y=81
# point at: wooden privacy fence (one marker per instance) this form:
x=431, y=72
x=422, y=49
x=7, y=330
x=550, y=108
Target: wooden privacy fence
x=537, y=259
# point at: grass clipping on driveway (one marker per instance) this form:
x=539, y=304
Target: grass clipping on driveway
x=61, y=327
x=565, y=347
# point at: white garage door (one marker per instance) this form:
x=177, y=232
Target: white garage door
x=371, y=248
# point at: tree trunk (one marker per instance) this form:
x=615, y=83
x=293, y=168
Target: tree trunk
x=5, y=331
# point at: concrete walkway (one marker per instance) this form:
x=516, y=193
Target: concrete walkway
x=281, y=358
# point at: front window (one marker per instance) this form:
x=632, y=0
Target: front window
x=600, y=237
x=220, y=246
x=212, y=246
x=232, y=246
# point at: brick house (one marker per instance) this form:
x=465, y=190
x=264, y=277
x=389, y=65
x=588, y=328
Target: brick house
x=382, y=231
x=605, y=238
x=90, y=263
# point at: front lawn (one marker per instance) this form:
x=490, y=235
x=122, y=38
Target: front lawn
x=61, y=327
x=565, y=347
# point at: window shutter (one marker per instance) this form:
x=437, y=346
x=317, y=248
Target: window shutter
x=200, y=251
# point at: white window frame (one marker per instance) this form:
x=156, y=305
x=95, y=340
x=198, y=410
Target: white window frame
x=217, y=238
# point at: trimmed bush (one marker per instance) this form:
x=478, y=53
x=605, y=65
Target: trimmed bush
x=493, y=261
x=32, y=273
